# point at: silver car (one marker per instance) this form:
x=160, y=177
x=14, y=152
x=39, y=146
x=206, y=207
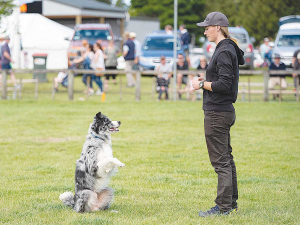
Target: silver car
x=288, y=39
x=244, y=42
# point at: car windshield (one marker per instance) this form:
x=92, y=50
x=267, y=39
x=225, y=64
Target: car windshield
x=161, y=43
x=240, y=37
x=289, y=41
x=91, y=34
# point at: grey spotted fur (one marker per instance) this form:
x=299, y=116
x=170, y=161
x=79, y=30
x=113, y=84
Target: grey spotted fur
x=94, y=168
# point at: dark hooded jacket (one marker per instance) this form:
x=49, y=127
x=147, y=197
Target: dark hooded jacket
x=223, y=72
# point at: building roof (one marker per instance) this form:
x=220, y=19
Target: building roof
x=90, y=4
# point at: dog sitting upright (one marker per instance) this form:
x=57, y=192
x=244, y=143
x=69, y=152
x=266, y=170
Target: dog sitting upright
x=94, y=168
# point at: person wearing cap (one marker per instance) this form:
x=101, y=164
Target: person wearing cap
x=220, y=91
x=129, y=55
x=275, y=78
x=264, y=48
x=138, y=49
x=6, y=60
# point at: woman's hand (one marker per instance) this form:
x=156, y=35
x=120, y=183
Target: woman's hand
x=196, y=82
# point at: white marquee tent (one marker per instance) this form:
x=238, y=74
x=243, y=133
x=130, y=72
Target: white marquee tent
x=38, y=35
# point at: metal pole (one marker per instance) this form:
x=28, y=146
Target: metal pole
x=175, y=51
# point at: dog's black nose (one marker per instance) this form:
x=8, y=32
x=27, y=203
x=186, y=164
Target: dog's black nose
x=119, y=122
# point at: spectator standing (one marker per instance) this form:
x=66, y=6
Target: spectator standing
x=181, y=78
x=138, y=50
x=185, y=41
x=296, y=67
x=98, y=64
x=6, y=60
x=110, y=55
x=86, y=58
x=169, y=29
x=274, y=78
x=2, y=42
x=270, y=52
x=129, y=56
x=163, y=77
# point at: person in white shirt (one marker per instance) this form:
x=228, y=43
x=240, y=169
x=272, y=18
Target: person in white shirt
x=98, y=64
x=163, y=77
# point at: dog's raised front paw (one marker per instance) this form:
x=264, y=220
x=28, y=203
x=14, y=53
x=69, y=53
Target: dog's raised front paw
x=121, y=165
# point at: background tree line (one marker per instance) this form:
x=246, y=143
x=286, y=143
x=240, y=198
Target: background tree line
x=259, y=17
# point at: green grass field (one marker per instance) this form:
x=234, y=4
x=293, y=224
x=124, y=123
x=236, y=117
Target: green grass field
x=167, y=178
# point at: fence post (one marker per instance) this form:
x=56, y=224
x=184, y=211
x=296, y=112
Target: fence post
x=266, y=87
x=88, y=82
x=280, y=94
x=53, y=88
x=249, y=90
x=120, y=87
x=153, y=87
x=297, y=88
x=21, y=87
x=244, y=93
x=138, y=86
x=70, y=85
x=36, y=88
x=4, y=84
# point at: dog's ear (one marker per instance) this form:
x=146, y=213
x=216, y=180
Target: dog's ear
x=99, y=115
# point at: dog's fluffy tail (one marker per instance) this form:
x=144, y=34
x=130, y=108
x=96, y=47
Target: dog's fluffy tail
x=67, y=198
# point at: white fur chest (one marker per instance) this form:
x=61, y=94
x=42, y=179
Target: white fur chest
x=105, y=152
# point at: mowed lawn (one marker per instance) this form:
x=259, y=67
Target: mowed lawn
x=167, y=178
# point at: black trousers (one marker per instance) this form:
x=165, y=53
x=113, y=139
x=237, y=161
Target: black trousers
x=217, y=134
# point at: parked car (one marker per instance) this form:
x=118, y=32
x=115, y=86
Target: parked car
x=92, y=33
x=288, y=39
x=244, y=42
x=156, y=45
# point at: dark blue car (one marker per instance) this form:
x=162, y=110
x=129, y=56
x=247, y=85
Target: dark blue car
x=156, y=45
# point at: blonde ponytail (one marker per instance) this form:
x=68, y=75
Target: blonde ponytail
x=225, y=33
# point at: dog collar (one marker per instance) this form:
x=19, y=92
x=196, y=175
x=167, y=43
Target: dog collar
x=97, y=136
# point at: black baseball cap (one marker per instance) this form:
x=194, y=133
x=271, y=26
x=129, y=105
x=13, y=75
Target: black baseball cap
x=213, y=19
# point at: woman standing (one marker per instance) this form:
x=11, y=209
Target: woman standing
x=220, y=91
x=98, y=64
x=110, y=56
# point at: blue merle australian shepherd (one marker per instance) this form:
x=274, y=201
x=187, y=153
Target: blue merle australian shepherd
x=94, y=168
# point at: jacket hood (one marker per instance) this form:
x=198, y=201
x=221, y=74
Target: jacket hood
x=239, y=52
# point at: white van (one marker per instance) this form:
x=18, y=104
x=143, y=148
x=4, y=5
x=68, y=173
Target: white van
x=288, y=38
